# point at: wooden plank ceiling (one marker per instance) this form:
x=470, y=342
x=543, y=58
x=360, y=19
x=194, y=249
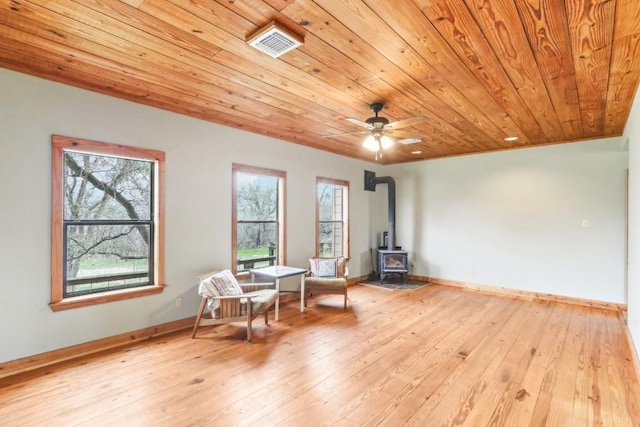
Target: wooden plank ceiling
x=546, y=71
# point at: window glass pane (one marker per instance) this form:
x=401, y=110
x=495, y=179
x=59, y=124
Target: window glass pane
x=331, y=238
x=332, y=218
x=106, y=188
x=96, y=253
x=256, y=244
x=257, y=197
x=330, y=202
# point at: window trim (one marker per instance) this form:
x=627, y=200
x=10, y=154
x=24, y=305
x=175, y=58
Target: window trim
x=345, y=219
x=59, y=145
x=282, y=203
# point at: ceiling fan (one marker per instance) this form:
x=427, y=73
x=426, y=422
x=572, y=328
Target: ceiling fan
x=382, y=133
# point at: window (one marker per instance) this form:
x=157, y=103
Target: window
x=332, y=213
x=107, y=229
x=258, y=217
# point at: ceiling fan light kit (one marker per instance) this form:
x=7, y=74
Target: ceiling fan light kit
x=370, y=143
x=382, y=134
x=377, y=142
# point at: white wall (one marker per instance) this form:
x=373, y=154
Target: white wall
x=632, y=133
x=198, y=206
x=514, y=218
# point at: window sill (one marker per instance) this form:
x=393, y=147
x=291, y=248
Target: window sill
x=104, y=297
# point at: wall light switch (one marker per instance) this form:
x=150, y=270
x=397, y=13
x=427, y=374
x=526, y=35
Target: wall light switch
x=585, y=223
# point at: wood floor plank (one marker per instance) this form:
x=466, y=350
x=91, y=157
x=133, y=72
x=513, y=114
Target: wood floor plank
x=216, y=377
x=342, y=360
x=625, y=368
x=558, y=394
x=611, y=376
x=438, y=355
x=454, y=399
x=366, y=389
x=507, y=372
x=392, y=390
x=538, y=377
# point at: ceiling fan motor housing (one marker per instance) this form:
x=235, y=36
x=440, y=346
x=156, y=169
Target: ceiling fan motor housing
x=377, y=122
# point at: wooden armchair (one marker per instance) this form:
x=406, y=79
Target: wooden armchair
x=229, y=301
x=327, y=276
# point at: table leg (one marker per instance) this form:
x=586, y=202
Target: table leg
x=278, y=299
x=302, y=293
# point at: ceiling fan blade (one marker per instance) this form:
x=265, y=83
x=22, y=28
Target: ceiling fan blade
x=362, y=132
x=359, y=122
x=403, y=134
x=405, y=122
x=409, y=141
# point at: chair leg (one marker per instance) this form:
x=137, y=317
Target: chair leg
x=345, y=299
x=266, y=316
x=306, y=297
x=249, y=320
x=203, y=303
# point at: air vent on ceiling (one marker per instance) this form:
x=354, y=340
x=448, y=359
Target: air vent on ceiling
x=274, y=40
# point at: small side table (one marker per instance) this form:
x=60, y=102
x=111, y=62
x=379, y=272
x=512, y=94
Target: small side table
x=278, y=272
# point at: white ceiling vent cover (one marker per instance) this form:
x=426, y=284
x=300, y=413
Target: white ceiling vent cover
x=274, y=40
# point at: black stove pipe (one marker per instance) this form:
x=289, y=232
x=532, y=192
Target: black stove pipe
x=370, y=182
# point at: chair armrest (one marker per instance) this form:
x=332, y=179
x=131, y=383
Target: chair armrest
x=228, y=297
x=250, y=287
x=261, y=284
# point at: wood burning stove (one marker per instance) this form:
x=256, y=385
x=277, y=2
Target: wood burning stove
x=392, y=259
x=393, y=262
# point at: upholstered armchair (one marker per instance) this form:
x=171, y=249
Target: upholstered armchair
x=326, y=276
x=229, y=301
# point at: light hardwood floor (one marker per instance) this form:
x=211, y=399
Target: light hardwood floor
x=435, y=356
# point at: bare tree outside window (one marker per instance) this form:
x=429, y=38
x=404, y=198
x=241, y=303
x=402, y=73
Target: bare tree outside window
x=108, y=224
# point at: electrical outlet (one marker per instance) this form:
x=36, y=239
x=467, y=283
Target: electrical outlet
x=178, y=302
